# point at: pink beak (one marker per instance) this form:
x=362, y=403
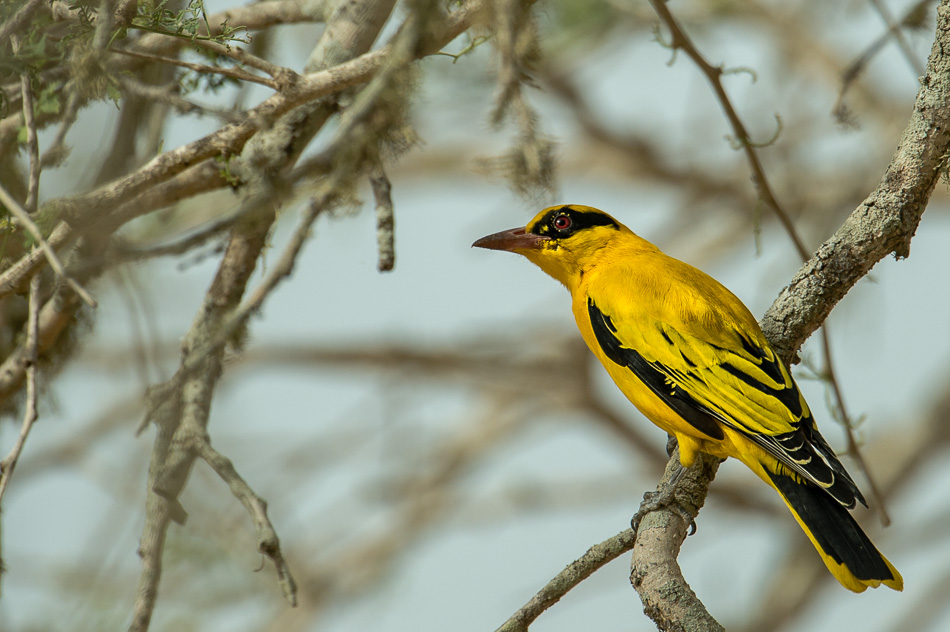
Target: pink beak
x=511, y=240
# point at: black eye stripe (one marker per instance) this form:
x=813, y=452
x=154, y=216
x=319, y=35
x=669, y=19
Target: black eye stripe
x=551, y=224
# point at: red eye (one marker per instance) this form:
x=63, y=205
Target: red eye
x=562, y=222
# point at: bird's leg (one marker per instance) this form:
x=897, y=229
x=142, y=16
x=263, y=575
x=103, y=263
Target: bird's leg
x=665, y=494
x=671, y=444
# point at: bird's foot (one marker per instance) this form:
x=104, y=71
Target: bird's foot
x=658, y=500
x=664, y=496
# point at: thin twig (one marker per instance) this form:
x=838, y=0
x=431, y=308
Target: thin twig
x=56, y=150
x=123, y=253
x=852, y=448
x=169, y=95
x=281, y=271
x=30, y=415
x=854, y=69
x=24, y=219
x=181, y=411
x=280, y=74
x=267, y=540
x=682, y=42
x=895, y=29
x=32, y=144
x=577, y=571
x=385, y=220
x=235, y=73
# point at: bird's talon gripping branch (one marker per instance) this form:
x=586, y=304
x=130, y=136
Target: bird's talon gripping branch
x=664, y=497
x=693, y=359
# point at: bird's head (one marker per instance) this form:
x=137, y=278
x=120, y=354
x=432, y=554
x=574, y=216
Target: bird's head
x=561, y=240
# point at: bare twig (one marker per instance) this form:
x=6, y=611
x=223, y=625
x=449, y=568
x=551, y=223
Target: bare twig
x=281, y=75
x=575, y=572
x=681, y=41
x=32, y=144
x=239, y=316
x=169, y=95
x=885, y=221
x=234, y=73
x=57, y=150
x=267, y=540
x=895, y=29
x=385, y=221
x=30, y=415
x=180, y=408
x=24, y=219
x=853, y=449
x=184, y=245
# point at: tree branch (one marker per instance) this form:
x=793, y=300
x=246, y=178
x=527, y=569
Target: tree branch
x=29, y=416
x=23, y=218
x=230, y=139
x=267, y=541
x=885, y=222
x=234, y=73
x=654, y=571
x=572, y=575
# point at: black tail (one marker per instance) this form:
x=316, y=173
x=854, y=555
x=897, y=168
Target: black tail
x=845, y=548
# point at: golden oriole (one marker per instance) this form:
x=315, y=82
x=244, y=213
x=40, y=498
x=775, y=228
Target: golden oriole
x=692, y=358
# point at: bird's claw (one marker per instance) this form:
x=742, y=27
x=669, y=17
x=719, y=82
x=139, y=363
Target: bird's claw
x=659, y=499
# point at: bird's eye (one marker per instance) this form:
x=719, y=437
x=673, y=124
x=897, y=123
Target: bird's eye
x=562, y=222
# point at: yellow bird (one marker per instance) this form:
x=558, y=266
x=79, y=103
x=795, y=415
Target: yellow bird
x=693, y=359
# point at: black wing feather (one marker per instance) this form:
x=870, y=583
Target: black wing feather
x=803, y=450
x=697, y=415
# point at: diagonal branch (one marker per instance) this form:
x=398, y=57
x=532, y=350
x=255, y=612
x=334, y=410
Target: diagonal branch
x=234, y=73
x=230, y=139
x=267, y=540
x=885, y=222
x=681, y=41
x=573, y=574
x=24, y=219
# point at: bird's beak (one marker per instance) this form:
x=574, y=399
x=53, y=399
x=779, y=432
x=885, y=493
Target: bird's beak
x=511, y=240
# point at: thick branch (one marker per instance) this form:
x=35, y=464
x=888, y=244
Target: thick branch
x=654, y=572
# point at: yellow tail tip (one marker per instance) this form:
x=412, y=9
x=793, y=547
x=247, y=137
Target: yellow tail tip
x=847, y=579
